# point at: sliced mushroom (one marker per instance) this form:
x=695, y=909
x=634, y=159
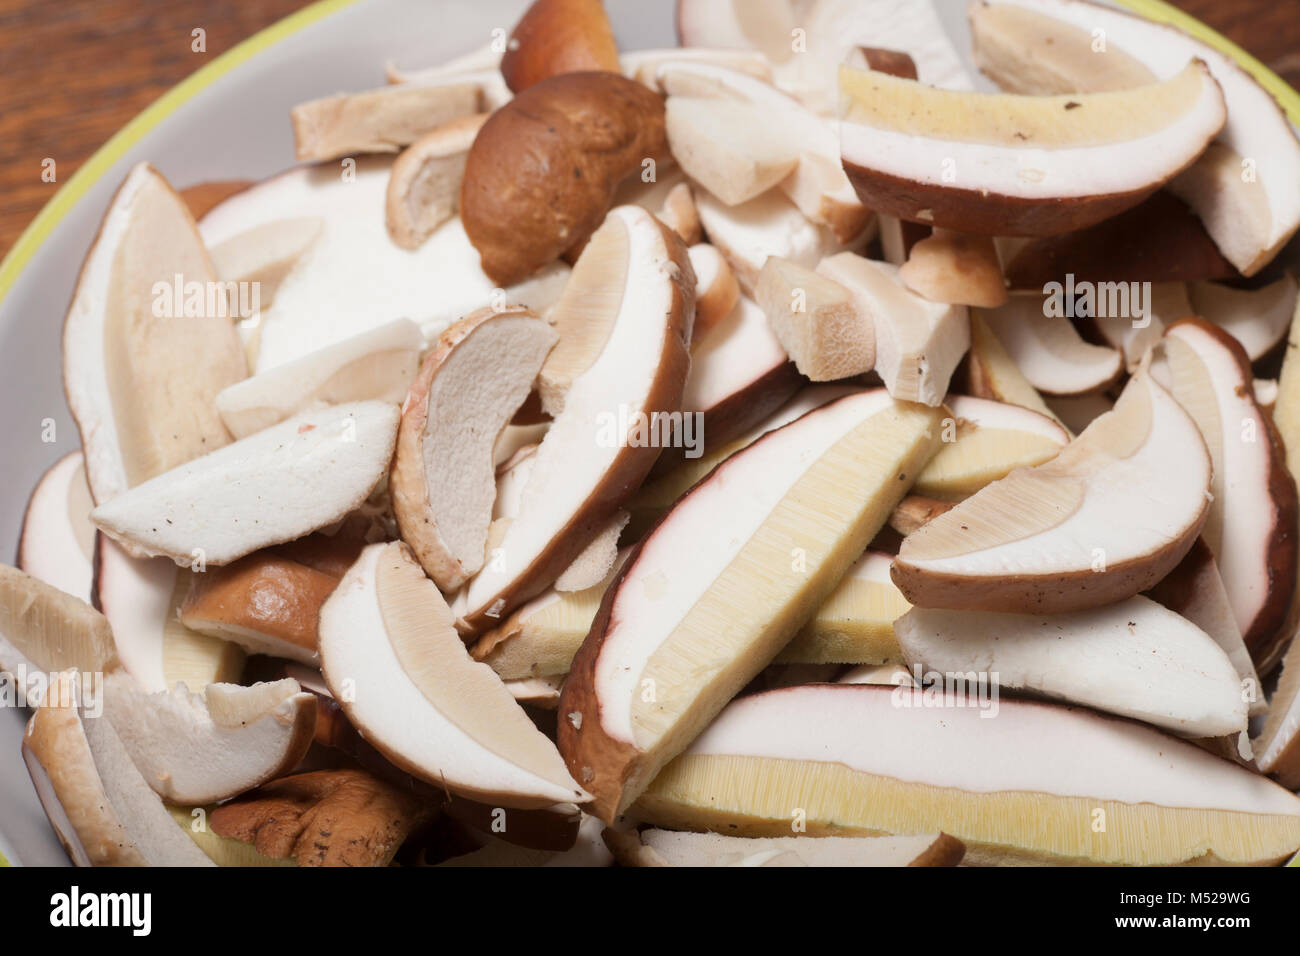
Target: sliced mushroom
x=378, y=121
x=716, y=289
x=44, y=629
x=817, y=320
x=1257, y=318
x=57, y=543
x=424, y=185
x=1047, y=349
x=950, y=267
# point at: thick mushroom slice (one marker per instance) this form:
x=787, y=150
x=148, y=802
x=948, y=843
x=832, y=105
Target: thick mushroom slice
x=855, y=625
x=817, y=320
x=1108, y=517
x=1023, y=787
x=989, y=372
x=375, y=365
x=951, y=267
x=443, y=480
x=197, y=749
x=424, y=185
x=984, y=441
x=1048, y=46
x=57, y=543
x=673, y=848
x=1135, y=659
x=918, y=342
x=144, y=354
x=617, y=416
x=392, y=658
x=1257, y=318
x=999, y=164
x=1047, y=348
x=142, y=599
x=274, y=486
x=44, y=629
x=378, y=121
x=1251, y=526
x=729, y=146
x=709, y=597
x=102, y=809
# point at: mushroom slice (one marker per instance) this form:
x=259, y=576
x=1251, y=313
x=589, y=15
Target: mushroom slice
x=424, y=184
x=265, y=603
x=1257, y=318
x=729, y=147
x=1045, y=346
x=1108, y=517
x=855, y=625
x=1135, y=329
x=679, y=214
x=57, y=543
x=1021, y=788
x=279, y=484
x=716, y=289
x=1135, y=658
x=604, y=442
x=102, y=810
x=673, y=848
x=951, y=267
x=392, y=658
x=44, y=629
x=918, y=342
x=197, y=749
x=142, y=598
x=324, y=818
x=916, y=511
x=140, y=367
x=999, y=164
x=593, y=565
x=1049, y=46
x=817, y=321
x=543, y=692
x=379, y=364
x=659, y=662
x=1252, y=522
x=643, y=65
x=265, y=254
x=991, y=373
x=378, y=121
x=443, y=480
x=767, y=225
x=984, y=441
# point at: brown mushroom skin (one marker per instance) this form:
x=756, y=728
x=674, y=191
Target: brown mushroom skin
x=542, y=173
x=559, y=36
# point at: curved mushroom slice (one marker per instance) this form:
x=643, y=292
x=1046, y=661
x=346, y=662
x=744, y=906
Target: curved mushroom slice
x=918, y=342
x=716, y=288
x=673, y=848
x=424, y=184
x=392, y=658
x=643, y=65
x=1108, y=517
x=142, y=599
x=1257, y=318
x=99, y=804
x=1135, y=328
x=265, y=254
x=195, y=749
x=679, y=214
x=602, y=445
x=265, y=603
x=277, y=485
x=378, y=121
x=1135, y=659
x=817, y=320
x=1007, y=165
x=660, y=662
x=729, y=146
x=379, y=364
x=44, y=629
x=951, y=267
x=855, y=625
x=1047, y=349
x=1252, y=521
x=57, y=543
x=1047, y=46
x=1024, y=787
x=141, y=368
x=443, y=480
x=984, y=441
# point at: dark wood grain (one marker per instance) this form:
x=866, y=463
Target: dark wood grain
x=73, y=72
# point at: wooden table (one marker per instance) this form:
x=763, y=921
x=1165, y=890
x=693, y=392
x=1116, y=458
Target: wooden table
x=73, y=72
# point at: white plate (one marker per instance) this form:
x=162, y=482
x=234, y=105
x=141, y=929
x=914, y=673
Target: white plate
x=229, y=121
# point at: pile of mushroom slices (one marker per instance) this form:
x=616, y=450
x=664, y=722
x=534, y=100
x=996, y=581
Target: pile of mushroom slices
x=726, y=455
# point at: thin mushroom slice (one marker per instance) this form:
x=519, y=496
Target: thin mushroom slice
x=672, y=848
x=378, y=121
x=443, y=480
x=1257, y=318
x=1048, y=350
x=44, y=629
x=708, y=598
x=57, y=543
x=392, y=657
x=1108, y=517
x=1023, y=787
x=424, y=184
x=716, y=288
